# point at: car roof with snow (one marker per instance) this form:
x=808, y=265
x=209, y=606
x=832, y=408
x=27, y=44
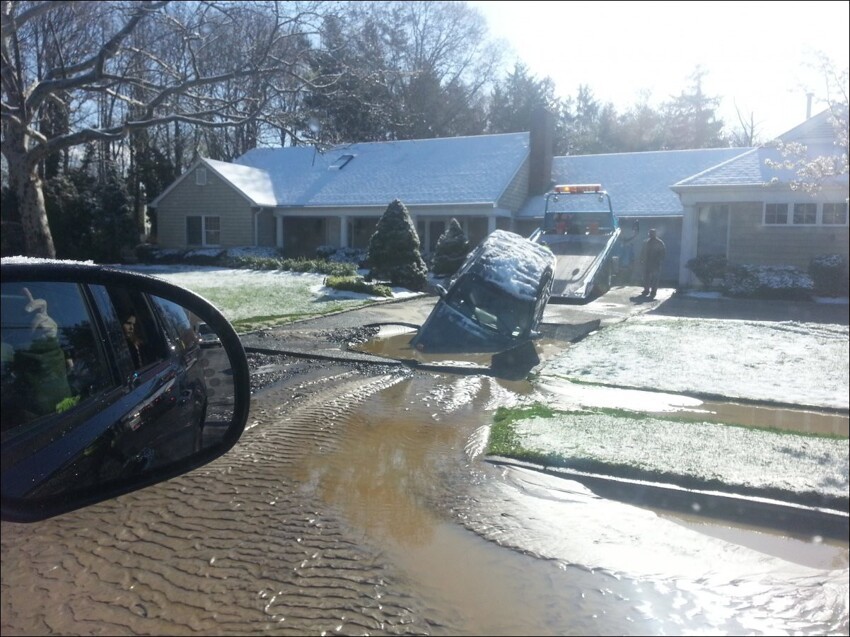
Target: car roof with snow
x=512, y=263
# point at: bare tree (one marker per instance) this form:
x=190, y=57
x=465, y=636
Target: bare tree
x=111, y=68
x=746, y=134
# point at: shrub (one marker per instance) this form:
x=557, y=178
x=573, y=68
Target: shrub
x=354, y=256
x=452, y=248
x=829, y=273
x=767, y=282
x=394, y=253
x=204, y=256
x=357, y=284
x=708, y=267
x=292, y=265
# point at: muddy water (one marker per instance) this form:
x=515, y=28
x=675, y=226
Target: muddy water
x=394, y=342
x=359, y=504
x=513, y=552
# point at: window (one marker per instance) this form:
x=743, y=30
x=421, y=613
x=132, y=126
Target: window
x=340, y=162
x=142, y=338
x=834, y=214
x=212, y=236
x=776, y=214
x=201, y=177
x=52, y=360
x=203, y=231
x=805, y=214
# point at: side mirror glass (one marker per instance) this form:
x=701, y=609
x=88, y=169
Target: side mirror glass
x=111, y=381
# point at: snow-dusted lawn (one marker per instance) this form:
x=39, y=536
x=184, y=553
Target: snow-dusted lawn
x=704, y=451
x=254, y=298
x=799, y=363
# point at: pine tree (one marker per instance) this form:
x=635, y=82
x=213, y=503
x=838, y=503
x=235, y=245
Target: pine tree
x=452, y=248
x=394, y=253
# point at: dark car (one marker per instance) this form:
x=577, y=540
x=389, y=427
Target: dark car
x=105, y=387
x=495, y=301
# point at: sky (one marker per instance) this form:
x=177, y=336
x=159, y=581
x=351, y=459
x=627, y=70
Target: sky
x=758, y=56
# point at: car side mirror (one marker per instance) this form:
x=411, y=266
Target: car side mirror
x=441, y=291
x=111, y=381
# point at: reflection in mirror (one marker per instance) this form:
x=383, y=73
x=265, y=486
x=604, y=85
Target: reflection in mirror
x=103, y=387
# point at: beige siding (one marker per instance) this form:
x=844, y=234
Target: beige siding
x=750, y=241
x=216, y=198
x=517, y=192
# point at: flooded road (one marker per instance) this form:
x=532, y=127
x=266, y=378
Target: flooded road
x=358, y=503
x=578, y=563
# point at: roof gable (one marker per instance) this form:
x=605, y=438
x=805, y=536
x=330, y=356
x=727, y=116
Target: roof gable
x=254, y=185
x=816, y=128
x=751, y=169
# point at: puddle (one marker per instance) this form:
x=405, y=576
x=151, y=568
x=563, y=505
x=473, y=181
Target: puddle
x=507, y=551
x=393, y=341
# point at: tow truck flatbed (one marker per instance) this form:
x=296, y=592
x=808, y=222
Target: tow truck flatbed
x=581, y=229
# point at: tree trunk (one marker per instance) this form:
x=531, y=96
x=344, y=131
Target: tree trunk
x=27, y=185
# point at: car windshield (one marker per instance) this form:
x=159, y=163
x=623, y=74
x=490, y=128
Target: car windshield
x=491, y=306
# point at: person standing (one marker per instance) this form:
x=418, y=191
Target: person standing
x=651, y=258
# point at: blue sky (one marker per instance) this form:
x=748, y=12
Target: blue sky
x=757, y=55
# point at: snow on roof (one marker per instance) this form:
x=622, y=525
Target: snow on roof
x=254, y=183
x=513, y=263
x=751, y=168
x=426, y=171
x=638, y=183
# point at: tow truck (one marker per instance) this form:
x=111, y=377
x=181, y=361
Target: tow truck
x=581, y=229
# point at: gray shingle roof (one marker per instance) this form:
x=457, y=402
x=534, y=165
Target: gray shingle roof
x=460, y=170
x=751, y=168
x=638, y=183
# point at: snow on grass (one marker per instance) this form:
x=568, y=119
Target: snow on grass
x=736, y=456
x=254, y=297
x=800, y=363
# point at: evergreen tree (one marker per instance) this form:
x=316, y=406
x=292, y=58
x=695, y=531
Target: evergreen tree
x=691, y=118
x=394, y=253
x=452, y=248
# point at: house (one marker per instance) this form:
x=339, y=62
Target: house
x=298, y=199
x=750, y=212
x=709, y=201
x=639, y=187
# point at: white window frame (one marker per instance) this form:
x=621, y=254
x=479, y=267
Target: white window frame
x=200, y=176
x=788, y=208
x=791, y=207
x=793, y=216
x=834, y=203
x=205, y=230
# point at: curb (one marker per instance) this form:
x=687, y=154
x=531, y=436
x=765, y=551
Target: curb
x=803, y=520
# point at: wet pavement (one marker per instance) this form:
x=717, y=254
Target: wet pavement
x=357, y=502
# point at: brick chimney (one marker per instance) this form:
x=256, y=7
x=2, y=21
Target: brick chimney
x=542, y=136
